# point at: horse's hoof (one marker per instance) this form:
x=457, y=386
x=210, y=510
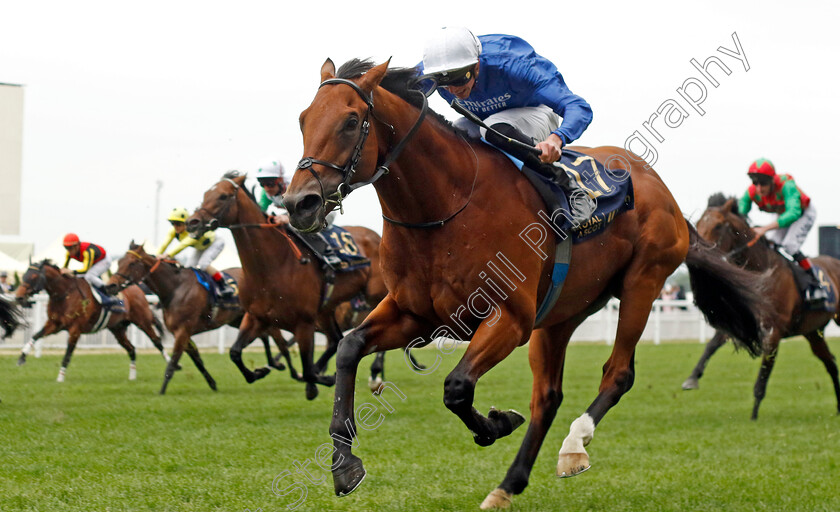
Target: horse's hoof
x=497, y=499
x=277, y=365
x=507, y=421
x=691, y=383
x=311, y=391
x=21, y=360
x=571, y=464
x=212, y=384
x=260, y=373
x=348, y=476
x=374, y=384
x=327, y=380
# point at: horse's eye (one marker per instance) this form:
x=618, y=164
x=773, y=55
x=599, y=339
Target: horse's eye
x=351, y=124
x=223, y=197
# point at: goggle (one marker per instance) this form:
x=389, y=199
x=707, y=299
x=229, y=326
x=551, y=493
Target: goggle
x=177, y=223
x=457, y=78
x=763, y=180
x=271, y=182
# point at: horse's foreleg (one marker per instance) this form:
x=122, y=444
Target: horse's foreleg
x=305, y=335
x=546, y=353
x=71, y=346
x=820, y=349
x=333, y=334
x=717, y=341
x=157, y=338
x=385, y=329
x=49, y=328
x=640, y=289
x=377, y=371
x=768, y=360
x=122, y=339
x=248, y=330
x=490, y=345
x=182, y=338
x=272, y=362
x=192, y=350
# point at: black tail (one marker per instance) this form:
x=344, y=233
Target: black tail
x=10, y=317
x=732, y=299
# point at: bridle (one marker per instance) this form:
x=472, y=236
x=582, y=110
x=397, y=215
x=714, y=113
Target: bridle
x=348, y=170
x=127, y=280
x=213, y=223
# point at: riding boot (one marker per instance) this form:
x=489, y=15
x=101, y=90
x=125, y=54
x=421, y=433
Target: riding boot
x=815, y=292
x=110, y=302
x=580, y=203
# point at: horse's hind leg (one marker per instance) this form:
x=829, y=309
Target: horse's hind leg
x=768, y=359
x=277, y=335
x=640, y=288
x=122, y=339
x=717, y=341
x=192, y=350
x=276, y=364
x=546, y=352
x=71, y=346
x=820, y=349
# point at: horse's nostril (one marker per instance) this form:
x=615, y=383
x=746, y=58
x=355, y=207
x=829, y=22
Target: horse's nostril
x=309, y=204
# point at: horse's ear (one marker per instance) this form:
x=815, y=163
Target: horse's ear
x=327, y=70
x=371, y=79
x=729, y=206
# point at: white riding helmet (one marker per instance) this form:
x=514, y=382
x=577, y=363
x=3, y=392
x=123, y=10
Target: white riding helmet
x=270, y=169
x=450, y=49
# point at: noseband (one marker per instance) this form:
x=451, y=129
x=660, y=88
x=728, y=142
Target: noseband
x=213, y=223
x=128, y=281
x=348, y=170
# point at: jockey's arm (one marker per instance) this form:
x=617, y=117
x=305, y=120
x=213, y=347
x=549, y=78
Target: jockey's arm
x=168, y=241
x=87, y=260
x=745, y=203
x=188, y=242
x=793, y=204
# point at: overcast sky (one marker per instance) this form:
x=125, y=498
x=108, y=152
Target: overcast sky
x=119, y=95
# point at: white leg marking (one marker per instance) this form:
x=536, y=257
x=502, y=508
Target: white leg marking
x=580, y=434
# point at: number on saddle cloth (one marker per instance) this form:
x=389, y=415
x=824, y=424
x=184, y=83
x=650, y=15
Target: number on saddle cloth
x=612, y=191
x=338, y=249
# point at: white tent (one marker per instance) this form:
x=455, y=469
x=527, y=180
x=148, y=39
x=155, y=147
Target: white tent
x=11, y=265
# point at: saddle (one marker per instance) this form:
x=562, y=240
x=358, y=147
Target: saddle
x=612, y=193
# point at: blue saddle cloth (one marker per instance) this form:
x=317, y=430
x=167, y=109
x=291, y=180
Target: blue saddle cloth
x=612, y=192
x=205, y=280
x=345, y=248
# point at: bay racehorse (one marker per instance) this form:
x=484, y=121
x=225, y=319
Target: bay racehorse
x=455, y=211
x=723, y=225
x=187, y=306
x=73, y=308
x=283, y=287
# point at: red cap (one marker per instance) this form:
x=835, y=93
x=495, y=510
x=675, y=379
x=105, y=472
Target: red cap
x=762, y=166
x=71, y=239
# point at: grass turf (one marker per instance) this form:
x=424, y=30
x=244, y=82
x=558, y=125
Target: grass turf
x=100, y=442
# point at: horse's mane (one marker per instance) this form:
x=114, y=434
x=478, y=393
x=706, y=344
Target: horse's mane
x=46, y=262
x=236, y=174
x=397, y=80
x=718, y=199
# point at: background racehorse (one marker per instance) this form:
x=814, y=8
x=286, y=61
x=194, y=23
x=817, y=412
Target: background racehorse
x=280, y=291
x=722, y=224
x=458, y=209
x=73, y=308
x=187, y=308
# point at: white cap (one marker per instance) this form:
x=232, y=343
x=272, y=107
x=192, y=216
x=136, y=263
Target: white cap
x=270, y=169
x=449, y=49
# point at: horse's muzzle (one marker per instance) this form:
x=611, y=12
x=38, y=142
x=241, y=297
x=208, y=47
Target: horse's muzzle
x=306, y=213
